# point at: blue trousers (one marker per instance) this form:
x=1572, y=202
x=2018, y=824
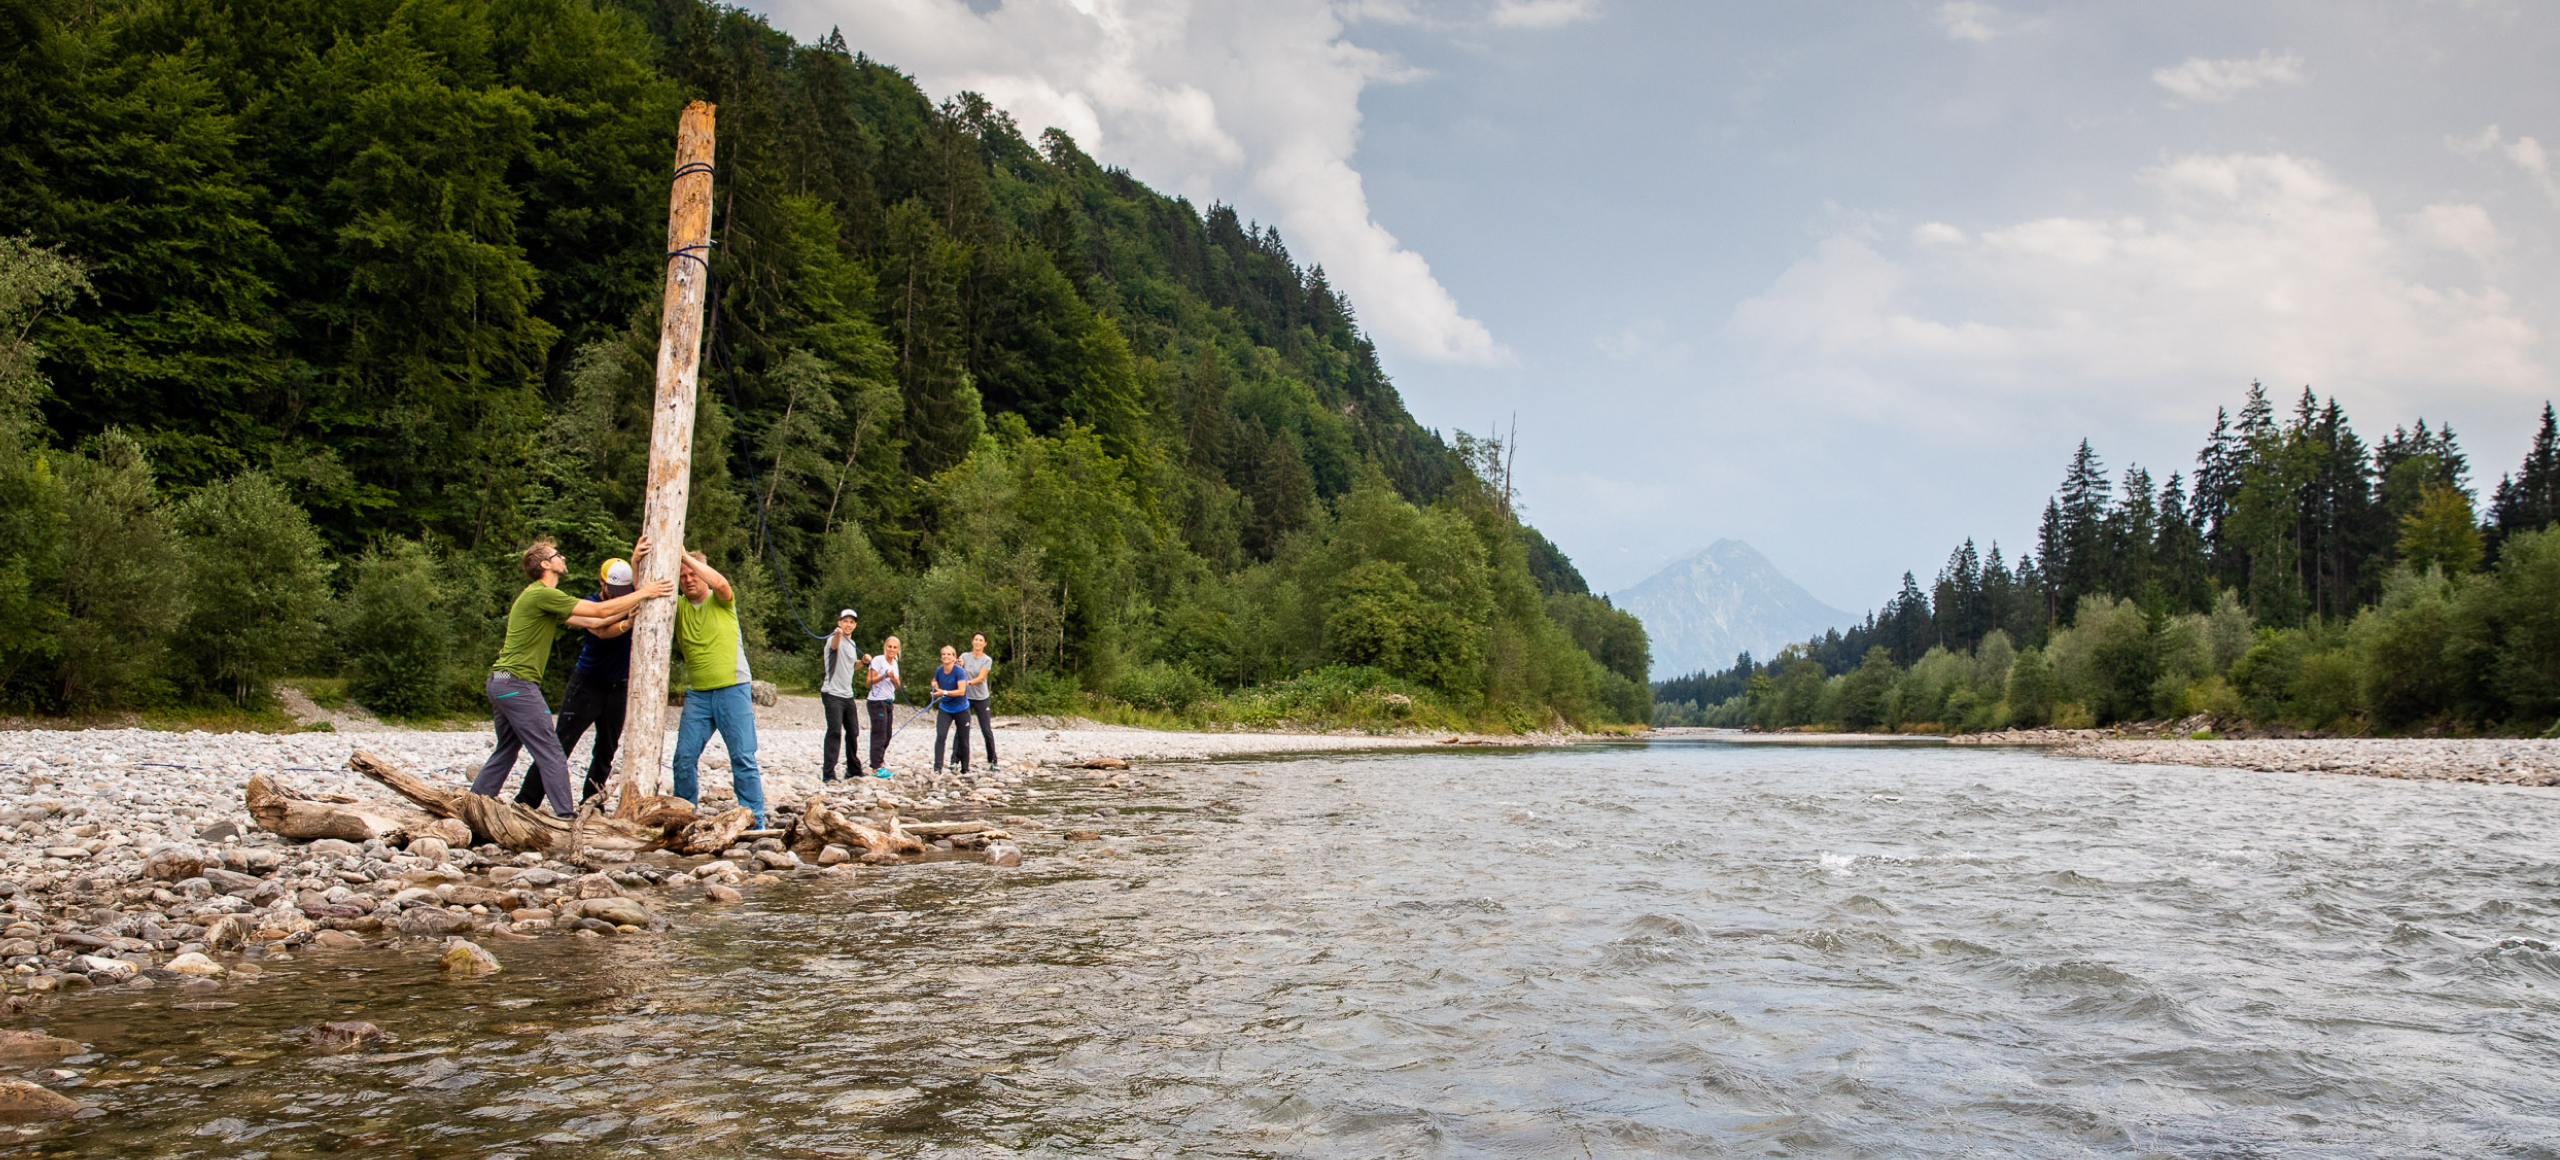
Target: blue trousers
x=732, y=711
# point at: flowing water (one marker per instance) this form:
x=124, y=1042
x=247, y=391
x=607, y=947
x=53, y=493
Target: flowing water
x=1663, y=950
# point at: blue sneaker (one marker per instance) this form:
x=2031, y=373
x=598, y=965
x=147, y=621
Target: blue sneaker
x=882, y=773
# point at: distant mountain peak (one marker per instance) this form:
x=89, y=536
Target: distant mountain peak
x=1726, y=598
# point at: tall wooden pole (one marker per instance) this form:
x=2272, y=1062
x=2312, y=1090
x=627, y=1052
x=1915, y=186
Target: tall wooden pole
x=644, y=733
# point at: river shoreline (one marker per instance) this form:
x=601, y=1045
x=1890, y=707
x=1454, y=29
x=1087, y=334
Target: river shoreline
x=2491, y=760
x=128, y=858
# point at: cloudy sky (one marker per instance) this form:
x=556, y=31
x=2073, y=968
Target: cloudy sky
x=1847, y=281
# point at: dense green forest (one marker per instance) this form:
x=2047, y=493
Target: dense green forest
x=316, y=310
x=2297, y=579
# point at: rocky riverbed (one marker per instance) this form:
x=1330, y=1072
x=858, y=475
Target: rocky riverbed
x=2503, y=761
x=128, y=858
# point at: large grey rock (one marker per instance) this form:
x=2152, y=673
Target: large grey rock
x=22, y=1102
x=115, y=970
x=481, y=896
x=28, y=1048
x=173, y=863
x=227, y=933
x=334, y=848
x=618, y=911
x=598, y=886
x=347, y=1036
x=434, y=922
x=465, y=957
x=232, y=882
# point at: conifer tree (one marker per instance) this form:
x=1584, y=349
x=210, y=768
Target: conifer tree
x=2529, y=500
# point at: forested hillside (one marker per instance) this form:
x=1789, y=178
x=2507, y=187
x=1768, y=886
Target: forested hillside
x=320, y=309
x=2299, y=577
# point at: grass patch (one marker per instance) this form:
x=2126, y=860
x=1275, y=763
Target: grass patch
x=328, y=693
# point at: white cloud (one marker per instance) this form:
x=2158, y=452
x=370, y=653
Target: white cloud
x=1979, y=22
x=2261, y=266
x=1256, y=104
x=1937, y=234
x=2199, y=79
x=1542, y=13
x=2524, y=152
x=2465, y=228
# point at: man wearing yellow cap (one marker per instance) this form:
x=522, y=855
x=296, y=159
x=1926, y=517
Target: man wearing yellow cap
x=599, y=689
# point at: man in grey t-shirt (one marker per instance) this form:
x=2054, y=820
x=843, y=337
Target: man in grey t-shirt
x=845, y=664
x=976, y=666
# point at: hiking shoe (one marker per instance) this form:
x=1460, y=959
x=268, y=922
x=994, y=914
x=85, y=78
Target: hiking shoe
x=882, y=773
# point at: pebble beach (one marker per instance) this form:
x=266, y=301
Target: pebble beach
x=2501, y=761
x=128, y=857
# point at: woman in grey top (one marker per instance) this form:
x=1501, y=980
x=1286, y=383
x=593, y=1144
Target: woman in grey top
x=837, y=700
x=977, y=665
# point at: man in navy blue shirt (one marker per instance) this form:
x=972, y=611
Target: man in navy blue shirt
x=599, y=689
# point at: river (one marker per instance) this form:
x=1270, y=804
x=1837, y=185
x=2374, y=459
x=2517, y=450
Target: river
x=1674, y=949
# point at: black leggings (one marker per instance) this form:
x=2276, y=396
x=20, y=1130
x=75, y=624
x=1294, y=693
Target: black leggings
x=843, y=728
x=943, y=720
x=986, y=729
x=880, y=711
x=597, y=704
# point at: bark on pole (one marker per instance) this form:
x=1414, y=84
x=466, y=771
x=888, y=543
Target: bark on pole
x=644, y=735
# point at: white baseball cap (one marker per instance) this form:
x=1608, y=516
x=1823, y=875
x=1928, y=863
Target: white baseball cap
x=617, y=573
x=848, y=612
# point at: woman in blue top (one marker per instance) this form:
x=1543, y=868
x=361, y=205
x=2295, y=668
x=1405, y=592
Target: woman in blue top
x=951, y=706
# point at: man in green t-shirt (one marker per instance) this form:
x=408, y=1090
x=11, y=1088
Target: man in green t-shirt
x=718, y=694
x=515, y=681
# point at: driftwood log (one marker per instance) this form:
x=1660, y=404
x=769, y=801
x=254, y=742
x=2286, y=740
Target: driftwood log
x=664, y=811
x=278, y=810
x=829, y=826
x=514, y=826
x=710, y=835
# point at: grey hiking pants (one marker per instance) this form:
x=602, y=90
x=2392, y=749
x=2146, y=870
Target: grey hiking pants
x=524, y=722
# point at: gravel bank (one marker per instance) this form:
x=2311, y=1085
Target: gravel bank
x=128, y=858
x=2503, y=761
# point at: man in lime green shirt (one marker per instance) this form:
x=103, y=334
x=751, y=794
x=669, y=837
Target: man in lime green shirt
x=515, y=681
x=719, y=693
